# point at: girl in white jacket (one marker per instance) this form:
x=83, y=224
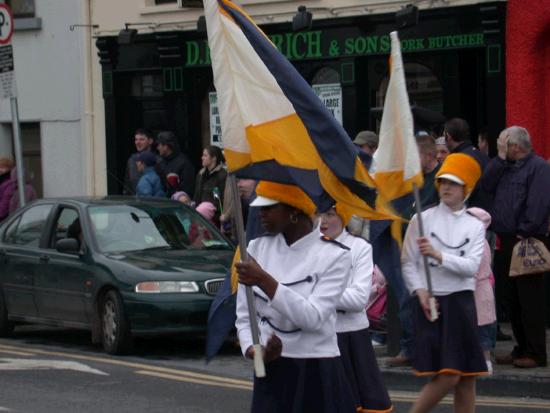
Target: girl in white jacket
x=448, y=348
x=369, y=391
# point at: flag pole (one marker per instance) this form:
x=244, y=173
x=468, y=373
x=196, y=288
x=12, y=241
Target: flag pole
x=433, y=310
x=259, y=367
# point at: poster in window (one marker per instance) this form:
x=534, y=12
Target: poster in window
x=215, y=124
x=331, y=95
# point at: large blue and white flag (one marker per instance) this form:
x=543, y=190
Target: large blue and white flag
x=274, y=126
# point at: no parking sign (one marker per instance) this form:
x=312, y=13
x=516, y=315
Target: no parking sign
x=7, y=75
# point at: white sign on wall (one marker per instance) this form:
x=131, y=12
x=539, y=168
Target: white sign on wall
x=331, y=95
x=7, y=75
x=215, y=124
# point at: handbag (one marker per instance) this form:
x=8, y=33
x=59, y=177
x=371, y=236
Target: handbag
x=529, y=256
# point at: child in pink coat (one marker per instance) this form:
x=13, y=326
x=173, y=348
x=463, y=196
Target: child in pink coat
x=484, y=295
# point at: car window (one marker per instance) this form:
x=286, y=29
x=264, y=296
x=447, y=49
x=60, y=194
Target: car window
x=30, y=226
x=10, y=232
x=67, y=226
x=120, y=228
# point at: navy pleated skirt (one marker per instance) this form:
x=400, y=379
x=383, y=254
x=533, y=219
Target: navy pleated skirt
x=303, y=386
x=361, y=367
x=450, y=345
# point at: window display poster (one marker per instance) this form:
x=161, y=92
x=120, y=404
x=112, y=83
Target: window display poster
x=331, y=95
x=215, y=124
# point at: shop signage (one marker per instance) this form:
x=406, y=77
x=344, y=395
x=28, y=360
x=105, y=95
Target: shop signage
x=331, y=95
x=320, y=44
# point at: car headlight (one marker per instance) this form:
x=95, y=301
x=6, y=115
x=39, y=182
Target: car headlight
x=167, y=287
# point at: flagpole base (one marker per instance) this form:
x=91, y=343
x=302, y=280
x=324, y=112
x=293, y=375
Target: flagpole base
x=259, y=367
x=433, y=310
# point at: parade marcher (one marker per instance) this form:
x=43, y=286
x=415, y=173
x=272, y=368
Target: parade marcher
x=457, y=137
x=143, y=140
x=448, y=348
x=298, y=278
x=484, y=295
x=352, y=323
x=174, y=168
x=149, y=184
x=518, y=179
x=442, y=151
x=210, y=183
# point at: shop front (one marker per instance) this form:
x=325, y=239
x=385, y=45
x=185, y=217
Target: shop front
x=454, y=61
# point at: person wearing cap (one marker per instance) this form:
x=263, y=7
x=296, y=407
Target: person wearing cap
x=367, y=141
x=174, y=168
x=442, y=151
x=354, y=341
x=447, y=349
x=149, y=184
x=143, y=141
x=297, y=277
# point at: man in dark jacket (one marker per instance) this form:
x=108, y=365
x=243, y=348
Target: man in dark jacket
x=519, y=179
x=175, y=169
x=457, y=137
x=143, y=140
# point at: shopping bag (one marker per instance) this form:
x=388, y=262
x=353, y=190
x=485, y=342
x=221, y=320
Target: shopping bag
x=530, y=256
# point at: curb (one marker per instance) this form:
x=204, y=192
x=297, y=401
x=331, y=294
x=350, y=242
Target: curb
x=496, y=385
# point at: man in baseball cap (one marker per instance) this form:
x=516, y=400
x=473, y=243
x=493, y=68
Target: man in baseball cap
x=367, y=140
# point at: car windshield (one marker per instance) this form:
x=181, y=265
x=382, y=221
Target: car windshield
x=121, y=228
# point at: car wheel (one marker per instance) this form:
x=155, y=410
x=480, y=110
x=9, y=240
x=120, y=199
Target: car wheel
x=6, y=326
x=115, y=329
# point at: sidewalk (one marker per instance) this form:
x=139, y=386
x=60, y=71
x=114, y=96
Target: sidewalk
x=505, y=381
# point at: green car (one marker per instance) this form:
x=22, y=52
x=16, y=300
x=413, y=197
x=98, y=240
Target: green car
x=117, y=266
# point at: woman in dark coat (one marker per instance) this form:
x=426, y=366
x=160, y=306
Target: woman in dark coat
x=210, y=183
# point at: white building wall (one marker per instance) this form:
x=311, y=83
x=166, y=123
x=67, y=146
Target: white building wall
x=48, y=70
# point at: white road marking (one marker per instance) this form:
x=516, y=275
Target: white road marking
x=34, y=364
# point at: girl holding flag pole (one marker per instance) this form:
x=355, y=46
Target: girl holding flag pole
x=447, y=349
x=297, y=277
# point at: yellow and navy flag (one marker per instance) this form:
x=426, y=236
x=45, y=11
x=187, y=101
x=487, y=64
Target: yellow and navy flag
x=397, y=160
x=274, y=127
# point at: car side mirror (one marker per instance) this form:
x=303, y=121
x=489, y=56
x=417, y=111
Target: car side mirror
x=68, y=245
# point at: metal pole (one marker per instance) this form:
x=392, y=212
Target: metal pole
x=259, y=367
x=433, y=310
x=18, y=151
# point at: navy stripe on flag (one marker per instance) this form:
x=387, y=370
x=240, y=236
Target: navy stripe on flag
x=329, y=137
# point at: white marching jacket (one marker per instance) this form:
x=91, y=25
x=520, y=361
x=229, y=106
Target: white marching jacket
x=312, y=274
x=350, y=311
x=459, y=236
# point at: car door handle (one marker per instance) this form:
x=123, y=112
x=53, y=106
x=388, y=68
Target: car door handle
x=44, y=258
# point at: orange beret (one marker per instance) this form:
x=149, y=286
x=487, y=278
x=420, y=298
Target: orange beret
x=462, y=169
x=286, y=194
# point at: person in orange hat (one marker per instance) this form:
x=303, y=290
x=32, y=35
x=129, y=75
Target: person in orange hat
x=447, y=349
x=369, y=392
x=297, y=277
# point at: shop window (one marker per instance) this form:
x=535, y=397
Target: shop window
x=325, y=75
x=22, y=8
x=423, y=86
x=147, y=86
x=326, y=85
x=158, y=2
